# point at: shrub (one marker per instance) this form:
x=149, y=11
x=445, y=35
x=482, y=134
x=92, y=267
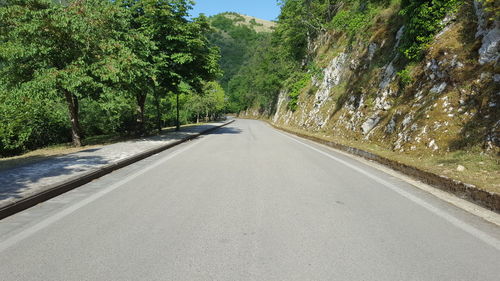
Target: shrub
x=405, y=78
x=424, y=19
x=295, y=90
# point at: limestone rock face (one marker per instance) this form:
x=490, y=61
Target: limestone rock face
x=332, y=76
x=439, y=88
x=490, y=49
x=490, y=33
x=360, y=95
x=370, y=123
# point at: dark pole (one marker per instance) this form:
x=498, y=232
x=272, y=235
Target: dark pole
x=178, y=125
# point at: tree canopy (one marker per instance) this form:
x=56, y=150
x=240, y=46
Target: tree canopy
x=86, y=67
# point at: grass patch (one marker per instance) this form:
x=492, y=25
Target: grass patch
x=481, y=169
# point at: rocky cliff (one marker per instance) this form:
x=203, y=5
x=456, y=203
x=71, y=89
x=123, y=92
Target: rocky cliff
x=448, y=101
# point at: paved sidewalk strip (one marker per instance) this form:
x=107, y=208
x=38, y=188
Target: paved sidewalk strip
x=25, y=181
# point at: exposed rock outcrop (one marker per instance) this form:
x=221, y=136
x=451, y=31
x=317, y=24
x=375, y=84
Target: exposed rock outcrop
x=450, y=100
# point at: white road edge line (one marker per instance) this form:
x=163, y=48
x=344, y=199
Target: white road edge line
x=451, y=219
x=65, y=212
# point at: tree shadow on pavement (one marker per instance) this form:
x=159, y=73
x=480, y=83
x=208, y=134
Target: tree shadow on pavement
x=226, y=131
x=14, y=182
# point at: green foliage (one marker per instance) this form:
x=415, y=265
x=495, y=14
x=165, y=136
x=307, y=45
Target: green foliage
x=405, y=78
x=30, y=122
x=354, y=20
x=72, y=51
x=271, y=59
x=210, y=104
x=110, y=114
x=258, y=82
x=301, y=20
x=424, y=19
x=315, y=71
x=253, y=22
x=492, y=8
x=235, y=42
x=95, y=66
x=296, y=89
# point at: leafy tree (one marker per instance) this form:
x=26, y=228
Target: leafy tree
x=211, y=102
x=424, y=20
x=69, y=50
x=30, y=122
x=301, y=20
x=214, y=99
x=182, y=52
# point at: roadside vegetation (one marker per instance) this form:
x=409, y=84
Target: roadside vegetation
x=238, y=37
x=70, y=70
x=279, y=58
x=480, y=169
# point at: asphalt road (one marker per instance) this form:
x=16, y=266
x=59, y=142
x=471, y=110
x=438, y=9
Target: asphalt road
x=248, y=203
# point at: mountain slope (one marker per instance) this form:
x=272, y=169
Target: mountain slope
x=237, y=36
x=259, y=25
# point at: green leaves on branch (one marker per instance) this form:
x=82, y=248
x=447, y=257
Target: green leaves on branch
x=354, y=19
x=95, y=65
x=72, y=50
x=210, y=104
x=424, y=19
x=296, y=89
x=405, y=78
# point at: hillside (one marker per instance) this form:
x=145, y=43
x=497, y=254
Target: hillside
x=237, y=36
x=361, y=79
x=259, y=25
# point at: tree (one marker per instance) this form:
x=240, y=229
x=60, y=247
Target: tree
x=211, y=101
x=424, y=19
x=214, y=99
x=182, y=52
x=70, y=50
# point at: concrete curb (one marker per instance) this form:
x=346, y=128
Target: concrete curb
x=465, y=191
x=77, y=181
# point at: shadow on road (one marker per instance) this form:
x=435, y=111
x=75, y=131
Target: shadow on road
x=226, y=131
x=14, y=181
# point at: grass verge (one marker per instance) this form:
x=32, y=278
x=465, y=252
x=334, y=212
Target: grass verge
x=480, y=169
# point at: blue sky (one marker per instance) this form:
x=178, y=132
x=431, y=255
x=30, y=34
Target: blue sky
x=263, y=9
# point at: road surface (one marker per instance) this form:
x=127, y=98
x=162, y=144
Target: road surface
x=248, y=202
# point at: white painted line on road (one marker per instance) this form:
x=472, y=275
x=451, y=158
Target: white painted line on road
x=56, y=217
x=451, y=219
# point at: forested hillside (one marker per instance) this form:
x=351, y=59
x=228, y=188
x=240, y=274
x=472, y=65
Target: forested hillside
x=415, y=80
x=237, y=36
x=76, y=69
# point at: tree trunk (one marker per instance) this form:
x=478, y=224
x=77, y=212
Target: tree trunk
x=177, y=123
x=141, y=100
x=76, y=132
x=158, y=113
x=197, y=117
